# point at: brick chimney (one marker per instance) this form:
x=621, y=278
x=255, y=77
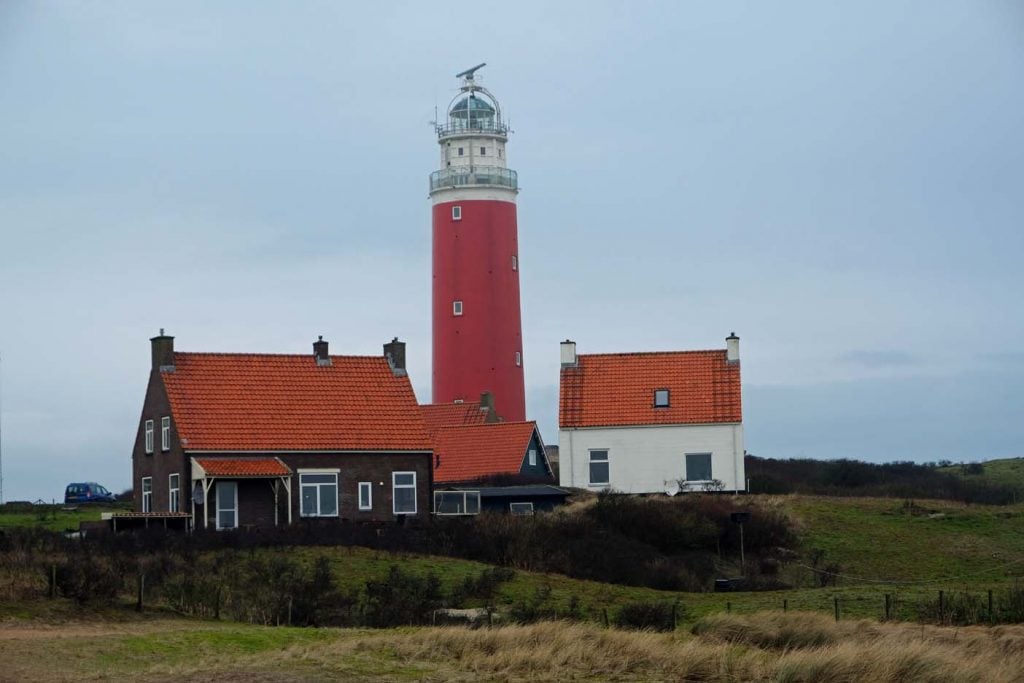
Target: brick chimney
x=320, y=352
x=162, y=346
x=487, y=406
x=732, y=348
x=394, y=351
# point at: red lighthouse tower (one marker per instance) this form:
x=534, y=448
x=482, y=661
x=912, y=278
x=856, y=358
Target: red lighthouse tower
x=478, y=338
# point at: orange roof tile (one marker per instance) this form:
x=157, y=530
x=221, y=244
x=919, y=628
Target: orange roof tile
x=438, y=415
x=617, y=389
x=475, y=451
x=243, y=467
x=262, y=402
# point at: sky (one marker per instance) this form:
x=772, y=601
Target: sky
x=841, y=184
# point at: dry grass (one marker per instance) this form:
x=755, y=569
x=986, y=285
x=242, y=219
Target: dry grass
x=787, y=648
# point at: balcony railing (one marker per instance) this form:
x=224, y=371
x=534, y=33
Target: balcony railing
x=474, y=176
x=463, y=128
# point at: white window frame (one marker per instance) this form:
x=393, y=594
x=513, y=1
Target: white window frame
x=147, y=494
x=149, y=437
x=368, y=487
x=519, y=359
x=531, y=457
x=174, y=492
x=457, y=307
x=607, y=460
x=394, y=488
x=337, y=491
x=711, y=466
x=456, y=213
x=466, y=496
x=515, y=262
x=165, y=433
x=523, y=510
x=218, y=508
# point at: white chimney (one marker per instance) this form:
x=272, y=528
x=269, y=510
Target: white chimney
x=732, y=348
x=568, y=354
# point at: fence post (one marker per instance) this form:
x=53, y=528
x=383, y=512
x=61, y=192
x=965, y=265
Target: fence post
x=604, y=612
x=728, y=607
x=142, y=591
x=836, y=599
x=991, y=613
x=216, y=603
x=887, y=607
x=785, y=605
x=673, y=616
x=942, y=608
x=289, y=610
x=53, y=581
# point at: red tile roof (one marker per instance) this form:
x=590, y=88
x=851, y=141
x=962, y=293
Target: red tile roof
x=468, y=453
x=617, y=389
x=250, y=402
x=438, y=415
x=243, y=467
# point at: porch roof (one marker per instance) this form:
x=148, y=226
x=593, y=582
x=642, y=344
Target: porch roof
x=242, y=467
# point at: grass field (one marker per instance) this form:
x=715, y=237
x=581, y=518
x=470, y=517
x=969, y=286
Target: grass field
x=767, y=647
x=1006, y=471
x=53, y=517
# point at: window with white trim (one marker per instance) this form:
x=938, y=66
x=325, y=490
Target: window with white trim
x=599, y=468
x=165, y=433
x=149, y=436
x=515, y=262
x=174, y=493
x=698, y=467
x=226, y=502
x=366, y=495
x=456, y=213
x=403, y=492
x=147, y=494
x=661, y=398
x=456, y=502
x=519, y=358
x=532, y=457
x=456, y=308
x=520, y=508
x=318, y=491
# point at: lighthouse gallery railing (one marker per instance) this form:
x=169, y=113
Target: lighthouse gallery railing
x=476, y=175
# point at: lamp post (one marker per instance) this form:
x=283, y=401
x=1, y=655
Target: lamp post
x=740, y=518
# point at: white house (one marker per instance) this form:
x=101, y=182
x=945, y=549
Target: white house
x=658, y=422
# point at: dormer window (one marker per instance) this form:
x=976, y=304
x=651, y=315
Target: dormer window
x=661, y=398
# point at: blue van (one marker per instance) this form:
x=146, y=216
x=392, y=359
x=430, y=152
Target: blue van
x=87, y=492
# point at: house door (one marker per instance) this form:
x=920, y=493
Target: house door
x=227, y=504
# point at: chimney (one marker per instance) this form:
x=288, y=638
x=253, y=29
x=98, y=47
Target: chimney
x=394, y=351
x=568, y=354
x=163, y=352
x=320, y=352
x=732, y=348
x=487, y=406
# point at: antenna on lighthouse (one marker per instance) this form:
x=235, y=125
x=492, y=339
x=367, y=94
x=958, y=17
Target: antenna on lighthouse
x=468, y=73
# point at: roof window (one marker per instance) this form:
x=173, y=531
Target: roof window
x=661, y=398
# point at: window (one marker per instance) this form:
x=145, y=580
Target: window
x=366, y=495
x=532, y=457
x=698, y=467
x=403, y=491
x=483, y=151
x=460, y=151
x=227, y=504
x=319, y=494
x=519, y=358
x=661, y=398
x=149, y=436
x=456, y=502
x=456, y=213
x=520, y=508
x=456, y=308
x=147, y=494
x=598, y=468
x=499, y=152
x=515, y=262
x=174, y=493
x=165, y=433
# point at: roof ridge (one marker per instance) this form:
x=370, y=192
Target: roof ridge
x=268, y=355
x=650, y=353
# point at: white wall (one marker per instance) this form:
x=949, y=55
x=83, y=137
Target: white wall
x=646, y=459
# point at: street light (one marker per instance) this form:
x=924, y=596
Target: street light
x=740, y=518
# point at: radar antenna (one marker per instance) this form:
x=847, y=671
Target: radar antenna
x=468, y=73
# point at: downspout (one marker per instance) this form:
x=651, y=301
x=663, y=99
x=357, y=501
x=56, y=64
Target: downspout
x=735, y=469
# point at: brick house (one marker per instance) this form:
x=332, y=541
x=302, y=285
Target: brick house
x=662, y=422
x=257, y=440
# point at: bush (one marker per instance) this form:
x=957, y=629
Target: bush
x=401, y=599
x=649, y=616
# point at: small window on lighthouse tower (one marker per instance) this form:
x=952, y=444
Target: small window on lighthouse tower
x=519, y=359
x=456, y=213
x=515, y=262
x=456, y=308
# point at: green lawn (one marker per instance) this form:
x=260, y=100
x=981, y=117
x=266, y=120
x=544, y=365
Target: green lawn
x=54, y=517
x=1009, y=471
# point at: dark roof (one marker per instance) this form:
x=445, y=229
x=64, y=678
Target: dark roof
x=510, y=491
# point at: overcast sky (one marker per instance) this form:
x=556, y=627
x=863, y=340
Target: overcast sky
x=841, y=183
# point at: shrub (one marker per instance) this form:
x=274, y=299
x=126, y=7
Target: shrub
x=649, y=616
x=401, y=599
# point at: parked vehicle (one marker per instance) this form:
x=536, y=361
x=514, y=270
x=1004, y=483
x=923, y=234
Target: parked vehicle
x=87, y=492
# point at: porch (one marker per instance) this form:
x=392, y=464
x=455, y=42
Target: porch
x=246, y=492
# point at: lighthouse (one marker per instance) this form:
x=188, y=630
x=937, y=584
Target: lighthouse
x=477, y=331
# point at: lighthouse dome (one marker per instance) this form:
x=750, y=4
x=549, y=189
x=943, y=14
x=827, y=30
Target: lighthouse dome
x=472, y=108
